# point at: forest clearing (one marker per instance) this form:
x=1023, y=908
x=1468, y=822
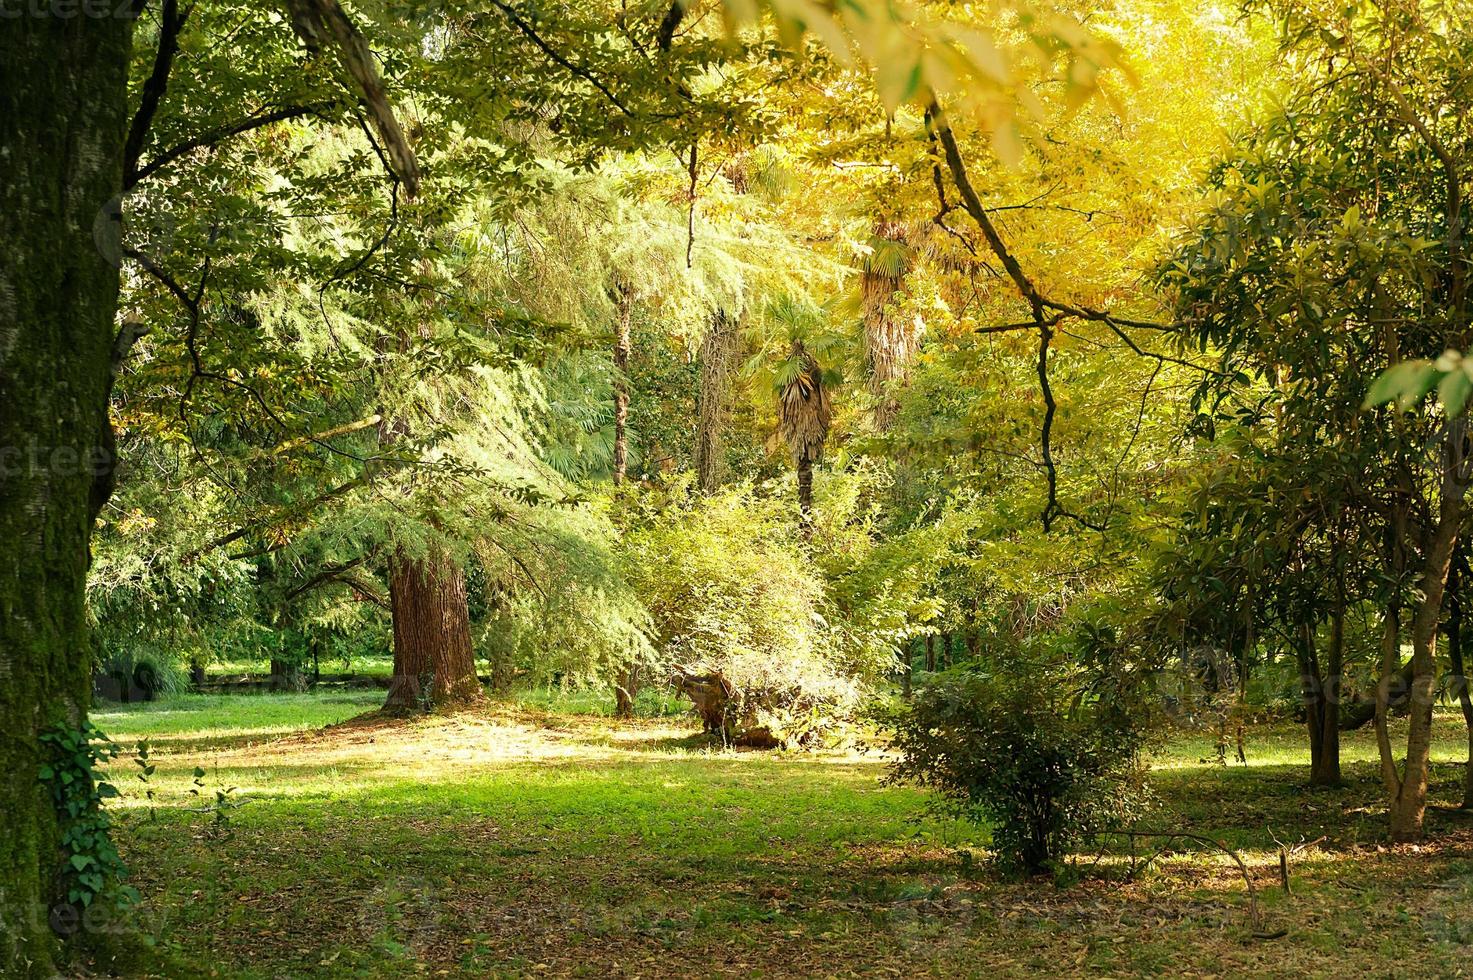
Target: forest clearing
x=531, y=839
x=735, y=488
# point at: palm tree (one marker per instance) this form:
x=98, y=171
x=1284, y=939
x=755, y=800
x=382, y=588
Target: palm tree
x=890, y=342
x=798, y=340
x=804, y=413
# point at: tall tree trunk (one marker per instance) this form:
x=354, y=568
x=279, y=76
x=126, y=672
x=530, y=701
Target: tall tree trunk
x=624, y=315
x=287, y=675
x=970, y=635
x=1321, y=715
x=628, y=687
x=434, y=661
x=930, y=653
x=625, y=692
x=1327, y=772
x=805, y=494
x=63, y=87
x=1408, y=795
x=718, y=356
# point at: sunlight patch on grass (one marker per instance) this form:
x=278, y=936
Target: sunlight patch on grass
x=513, y=841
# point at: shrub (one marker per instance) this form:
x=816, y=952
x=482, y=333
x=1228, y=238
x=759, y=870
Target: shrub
x=1014, y=753
x=139, y=674
x=736, y=612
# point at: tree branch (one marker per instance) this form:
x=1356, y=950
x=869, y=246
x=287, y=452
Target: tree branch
x=220, y=134
x=314, y=20
x=171, y=22
x=666, y=34
x=329, y=573
x=240, y=532
x=531, y=34
x=1046, y=313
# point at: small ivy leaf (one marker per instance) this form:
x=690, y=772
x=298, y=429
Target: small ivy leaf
x=80, y=861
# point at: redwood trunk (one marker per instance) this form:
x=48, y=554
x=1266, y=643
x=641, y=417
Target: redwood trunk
x=63, y=87
x=434, y=662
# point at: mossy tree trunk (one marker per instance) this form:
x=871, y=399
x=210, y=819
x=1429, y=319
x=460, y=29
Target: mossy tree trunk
x=63, y=86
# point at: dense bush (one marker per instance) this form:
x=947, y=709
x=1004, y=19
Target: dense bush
x=736, y=612
x=1014, y=753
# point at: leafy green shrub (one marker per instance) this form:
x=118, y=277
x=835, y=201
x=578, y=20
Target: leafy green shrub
x=1014, y=753
x=140, y=674
x=736, y=611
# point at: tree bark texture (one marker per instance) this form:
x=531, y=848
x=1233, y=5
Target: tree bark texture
x=63, y=122
x=434, y=662
x=1408, y=802
x=717, y=361
x=890, y=343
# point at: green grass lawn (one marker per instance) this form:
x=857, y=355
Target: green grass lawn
x=520, y=840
